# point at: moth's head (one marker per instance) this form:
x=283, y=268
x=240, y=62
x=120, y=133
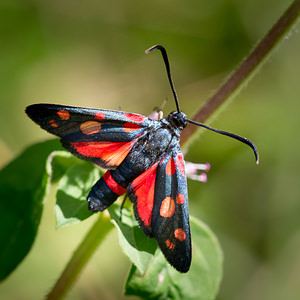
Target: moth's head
x=177, y=119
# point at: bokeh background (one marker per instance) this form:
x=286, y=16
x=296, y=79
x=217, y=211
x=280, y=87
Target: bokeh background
x=91, y=53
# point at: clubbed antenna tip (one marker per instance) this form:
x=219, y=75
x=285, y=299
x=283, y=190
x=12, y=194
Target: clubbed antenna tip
x=232, y=135
x=166, y=61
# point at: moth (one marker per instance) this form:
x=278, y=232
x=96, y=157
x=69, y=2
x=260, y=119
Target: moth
x=143, y=159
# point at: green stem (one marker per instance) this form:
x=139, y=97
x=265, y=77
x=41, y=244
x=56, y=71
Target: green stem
x=247, y=68
x=80, y=257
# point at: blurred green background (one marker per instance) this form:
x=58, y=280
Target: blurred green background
x=91, y=53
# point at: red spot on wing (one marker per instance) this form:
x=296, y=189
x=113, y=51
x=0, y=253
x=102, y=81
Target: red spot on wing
x=138, y=135
x=167, y=207
x=90, y=127
x=53, y=123
x=180, y=163
x=127, y=127
x=143, y=188
x=170, y=167
x=170, y=245
x=111, y=153
x=112, y=184
x=135, y=118
x=180, y=199
x=162, y=161
x=180, y=234
x=63, y=114
x=100, y=116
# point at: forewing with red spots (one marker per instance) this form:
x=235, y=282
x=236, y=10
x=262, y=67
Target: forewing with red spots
x=170, y=219
x=160, y=200
x=102, y=136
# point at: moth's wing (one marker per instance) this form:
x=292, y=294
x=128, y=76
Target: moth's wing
x=161, y=207
x=102, y=136
x=141, y=193
x=170, y=216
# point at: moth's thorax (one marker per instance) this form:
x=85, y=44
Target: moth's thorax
x=158, y=141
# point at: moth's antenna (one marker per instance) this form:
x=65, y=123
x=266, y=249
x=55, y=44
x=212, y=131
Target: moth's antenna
x=232, y=135
x=166, y=61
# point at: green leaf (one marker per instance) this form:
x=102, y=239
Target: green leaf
x=73, y=188
x=161, y=281
x=23, y=186
x=133, y=241
x=59, y=162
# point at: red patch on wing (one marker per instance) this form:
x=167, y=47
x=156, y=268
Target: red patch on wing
x=127, y=127
x=180, y=163
x=180, y=234
x=170, y=167
x=111, y=153
x=170, y=245
x=167, y=207
x=135, y=118
x=63, y=114
x=90, y=127
x=112, y=184
x=143, y=188
x=180, y=199
x=53, y=123
x=100, y=116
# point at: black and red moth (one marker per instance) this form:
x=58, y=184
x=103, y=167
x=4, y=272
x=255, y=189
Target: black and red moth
x=144, y=160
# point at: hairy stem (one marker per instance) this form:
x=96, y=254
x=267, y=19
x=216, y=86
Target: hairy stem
x=246, y=69
x=81, y=256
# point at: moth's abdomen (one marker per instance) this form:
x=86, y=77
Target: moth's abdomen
x=104, y=192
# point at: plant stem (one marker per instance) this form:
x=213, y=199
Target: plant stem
x=247, y=68
x=80, y=257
